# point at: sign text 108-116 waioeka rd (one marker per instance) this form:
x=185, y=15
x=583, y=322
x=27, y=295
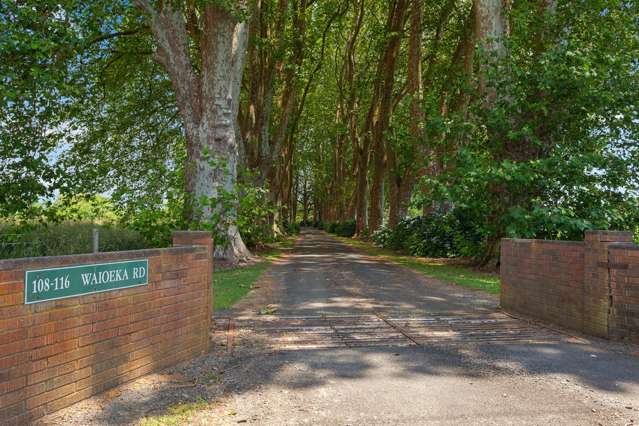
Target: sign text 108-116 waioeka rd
x=69, y=281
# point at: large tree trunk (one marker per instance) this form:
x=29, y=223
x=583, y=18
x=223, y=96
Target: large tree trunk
x=235, y=249
x=208, y=110
x=402, y=183
x=264, y=61
x=492, y=28
x=381, y=111
x=360, y=143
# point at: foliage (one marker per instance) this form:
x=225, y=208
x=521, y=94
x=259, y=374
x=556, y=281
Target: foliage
x=254, y=212
x=436, y=235
x=343, y=229
x=556, y=152
x=95, y=209
x=54, y=239
x=292, y=228
x=156, y=222
x=540, y=142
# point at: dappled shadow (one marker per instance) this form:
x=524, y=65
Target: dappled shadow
x=481, y=365
x=323, y=276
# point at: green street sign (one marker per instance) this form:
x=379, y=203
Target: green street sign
x=42, y=285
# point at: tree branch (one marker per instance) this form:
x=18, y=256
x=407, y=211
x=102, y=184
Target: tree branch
x=172, y=52
x=104, y=37
x=145, y=6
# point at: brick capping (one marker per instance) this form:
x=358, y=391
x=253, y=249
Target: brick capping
x=558, y=242
x=80, y=259
x=590, y=286
x=56, y=353
x=625, y=246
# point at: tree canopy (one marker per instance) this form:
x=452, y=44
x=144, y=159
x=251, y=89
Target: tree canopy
x=514, y=118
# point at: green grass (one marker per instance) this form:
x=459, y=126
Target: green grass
x=458, y=274
x=231, y=285
x=176, y=415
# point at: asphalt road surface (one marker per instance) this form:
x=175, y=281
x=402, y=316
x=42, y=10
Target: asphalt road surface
x=356, y=340
x=349, y=339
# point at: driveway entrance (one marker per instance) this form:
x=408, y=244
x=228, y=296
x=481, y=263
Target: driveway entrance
x=351, y=339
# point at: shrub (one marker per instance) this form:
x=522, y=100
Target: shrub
x=54, y=239
x=346, y=229
x=450, y=234
x=343, y=229
x=307, y=222
x=382, y=236
x=292, y=228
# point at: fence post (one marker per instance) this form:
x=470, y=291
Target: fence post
x=96, y=240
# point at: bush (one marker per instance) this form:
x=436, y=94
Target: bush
x=439, y=234
x=306, y=223
x=292, y=228
x=343, y=229
x=54, y=239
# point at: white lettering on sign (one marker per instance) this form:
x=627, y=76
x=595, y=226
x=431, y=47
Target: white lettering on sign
x=139, y=272
x=105, y=277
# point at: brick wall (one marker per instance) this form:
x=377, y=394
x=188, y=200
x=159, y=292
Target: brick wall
x=596, y=280
x=55, y=353
x=624, y=284
x=543, y=279
x=586, y=286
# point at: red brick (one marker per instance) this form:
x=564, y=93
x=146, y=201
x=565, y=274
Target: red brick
x=11, y=287
x=55, y=353
x=49, y=396
x=12, y=385
x=50, y=350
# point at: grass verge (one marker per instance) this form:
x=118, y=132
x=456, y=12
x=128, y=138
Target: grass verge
x=462, y=275
x=176, y=415
x=230, y=285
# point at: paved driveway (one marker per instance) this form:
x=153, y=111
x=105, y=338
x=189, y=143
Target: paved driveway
x=359, y=341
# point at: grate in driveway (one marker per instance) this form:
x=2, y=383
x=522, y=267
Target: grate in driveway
x=333, y=331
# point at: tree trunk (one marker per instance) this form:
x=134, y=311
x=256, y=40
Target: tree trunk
x=381, y=111
x=208, y=110
x=492, y=28
x=360, y=143
x=400, y=193
x=401, y=183
x=361, y=224
x=264, y=60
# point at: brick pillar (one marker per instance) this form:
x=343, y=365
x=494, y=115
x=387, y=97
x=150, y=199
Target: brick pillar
x=200, y=238
x=596, y=290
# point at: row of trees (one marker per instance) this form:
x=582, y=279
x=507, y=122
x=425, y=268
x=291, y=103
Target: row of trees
x=521, y=117
x=200, y=113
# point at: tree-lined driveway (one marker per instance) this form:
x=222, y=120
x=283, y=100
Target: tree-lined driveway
x=356, y=340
